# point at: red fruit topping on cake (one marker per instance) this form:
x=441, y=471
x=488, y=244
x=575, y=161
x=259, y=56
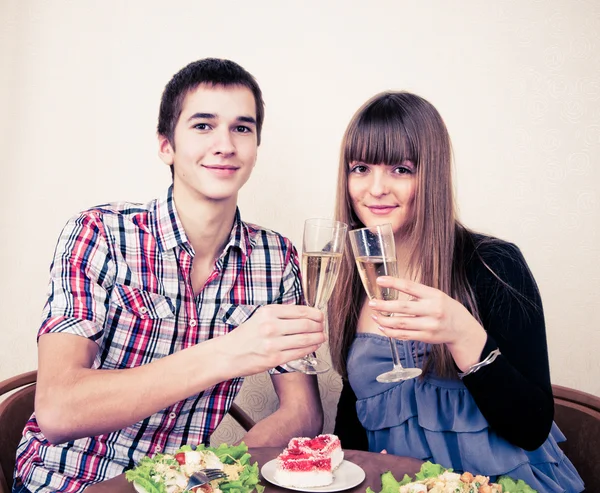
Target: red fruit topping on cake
x=320, y=442
x=309, y=462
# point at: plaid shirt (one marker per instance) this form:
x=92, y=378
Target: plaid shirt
x=121, y=277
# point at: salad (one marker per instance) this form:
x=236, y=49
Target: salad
x=169, y=473
x=434, y=478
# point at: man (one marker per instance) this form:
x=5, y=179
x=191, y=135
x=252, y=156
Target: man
x=157, y=312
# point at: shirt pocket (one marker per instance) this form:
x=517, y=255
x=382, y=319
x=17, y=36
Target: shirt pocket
x=235, y=314
x=145, y=305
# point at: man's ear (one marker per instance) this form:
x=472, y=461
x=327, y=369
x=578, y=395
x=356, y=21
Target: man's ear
x=165, y=150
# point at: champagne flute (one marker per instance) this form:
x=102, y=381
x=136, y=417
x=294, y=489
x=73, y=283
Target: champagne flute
x=375, y=254
x=322, y=248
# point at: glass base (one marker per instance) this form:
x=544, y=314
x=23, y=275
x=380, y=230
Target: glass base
x=309, y=365
x=398, y=374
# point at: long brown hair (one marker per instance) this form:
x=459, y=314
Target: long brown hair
x=388, y=129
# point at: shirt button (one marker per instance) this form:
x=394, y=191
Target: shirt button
x=158, y=448
x=193, y=323
x=143, y=310
x=172, y=416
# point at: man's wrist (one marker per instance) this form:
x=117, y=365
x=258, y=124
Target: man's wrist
x=211, y=357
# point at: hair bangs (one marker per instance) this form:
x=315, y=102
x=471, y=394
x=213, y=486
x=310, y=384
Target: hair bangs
x=379, y=136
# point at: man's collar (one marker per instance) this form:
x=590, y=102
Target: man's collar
x=242, y=236
x=169, y=231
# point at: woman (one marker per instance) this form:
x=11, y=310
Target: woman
x=469, y=313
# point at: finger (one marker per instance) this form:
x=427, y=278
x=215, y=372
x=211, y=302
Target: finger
x=295, y=312
x=407, y=286
x=406, y=307
x=303, y=344
x=403, y=323
x=294, y=354
x=298, y=341
x=403, y=335
x=412, y=329
x=289, y=327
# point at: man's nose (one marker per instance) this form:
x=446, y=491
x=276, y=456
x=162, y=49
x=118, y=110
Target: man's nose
x=223, y=142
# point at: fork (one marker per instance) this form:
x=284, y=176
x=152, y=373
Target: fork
x=202, y=477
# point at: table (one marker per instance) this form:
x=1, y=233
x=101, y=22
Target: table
x=373, y=464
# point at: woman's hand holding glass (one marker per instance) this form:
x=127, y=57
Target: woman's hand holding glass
x=375, y=254
x=431, y=316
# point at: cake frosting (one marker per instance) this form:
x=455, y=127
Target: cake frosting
x=309, y=462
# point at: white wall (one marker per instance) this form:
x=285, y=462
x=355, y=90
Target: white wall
x=517, y=82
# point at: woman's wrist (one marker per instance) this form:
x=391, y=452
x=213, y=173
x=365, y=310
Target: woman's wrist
x=467, y=351
x=488, y=360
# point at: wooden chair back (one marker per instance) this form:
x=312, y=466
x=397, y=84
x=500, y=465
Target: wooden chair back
x=577, y=414
x=15, y=411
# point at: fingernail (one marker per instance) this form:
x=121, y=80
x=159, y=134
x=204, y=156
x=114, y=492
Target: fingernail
x=372, y=303
x=374, y=317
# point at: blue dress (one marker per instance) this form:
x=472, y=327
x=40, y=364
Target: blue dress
x=437, y=419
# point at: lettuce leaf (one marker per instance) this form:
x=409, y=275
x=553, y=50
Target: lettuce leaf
x=247, y=481
x=430, y=470
x=142, y=476
x=389, y=484
x=511, y=486
x=227, y=454
x=149, y=485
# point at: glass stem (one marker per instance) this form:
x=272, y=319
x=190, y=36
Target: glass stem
x=395, y=357
x=312, y=357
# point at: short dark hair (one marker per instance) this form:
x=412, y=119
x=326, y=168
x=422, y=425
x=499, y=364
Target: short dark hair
x=211, y=71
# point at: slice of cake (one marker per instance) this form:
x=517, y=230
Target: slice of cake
x=309, y=462
x=303, y=468
x=324, y=445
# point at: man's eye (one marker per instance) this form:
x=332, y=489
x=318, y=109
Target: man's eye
x=201, y=126
x=242, y=129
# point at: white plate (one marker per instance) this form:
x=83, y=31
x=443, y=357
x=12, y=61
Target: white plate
x=346, y=476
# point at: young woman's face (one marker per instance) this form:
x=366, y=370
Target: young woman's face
x=383, y=194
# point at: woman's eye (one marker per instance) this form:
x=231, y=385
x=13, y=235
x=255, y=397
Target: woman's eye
x=402, y=170
x=359, y=169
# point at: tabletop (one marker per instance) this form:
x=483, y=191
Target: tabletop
x=372, y=463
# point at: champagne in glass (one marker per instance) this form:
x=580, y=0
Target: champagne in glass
x=370, y=268
x=375, y=254
x=319, y=273
x=322, y=248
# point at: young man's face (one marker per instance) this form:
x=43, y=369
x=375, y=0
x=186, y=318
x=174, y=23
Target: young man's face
x=215, y=143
